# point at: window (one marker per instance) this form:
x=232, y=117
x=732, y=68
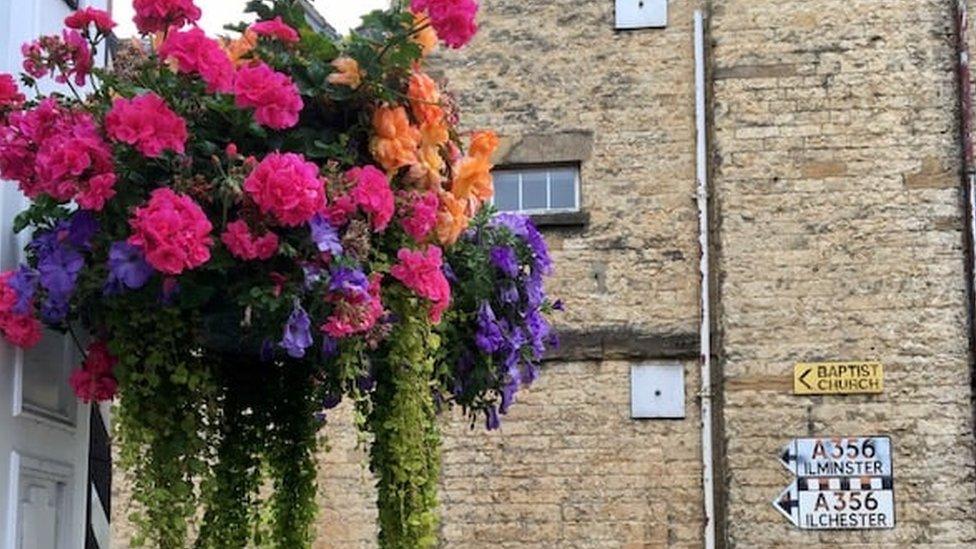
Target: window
x=537, y=190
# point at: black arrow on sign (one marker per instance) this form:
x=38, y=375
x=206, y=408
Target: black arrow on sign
x=803, y=378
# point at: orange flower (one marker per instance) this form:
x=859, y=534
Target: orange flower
x=429, y=169
x=425, y=99
x=347, y=73
x=483, y=144
x=395, y=142
x=239, y=49
x=472, y=177
x=452, y=219
x=427, y=38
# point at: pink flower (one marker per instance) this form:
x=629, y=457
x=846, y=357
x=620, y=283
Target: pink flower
x=288, y=187
x=423, y=273
x=244, y=245
x=96, y=192
x=62, y=56
x=95, y=380
x=159, y=15
x=8, y=295
x=148, y=124
x=276, y=28
x=24, y=331
x=195, y=53
x=356, y=312
x=173, y=231
x=274, y=96
x=454, y=20
x=91, y=388
x=57, y=152
x=373, y=195
x=82, y=18
x=422, y=214
x=10, y=95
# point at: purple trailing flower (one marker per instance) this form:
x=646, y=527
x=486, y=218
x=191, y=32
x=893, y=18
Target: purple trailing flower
x=348, y=281
x=313, y=275
x=325, y=236
x=492, y=423
x=489, y=337
x=298, y=335
x=508, y=394
x=534, y=291
x=505, y=260
x=127, y=268
x=538, y=328
x=24, y=283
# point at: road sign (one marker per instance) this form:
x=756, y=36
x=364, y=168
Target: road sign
x=839, y=503
x=843, y=483
x=838, y=378
x=836, y=457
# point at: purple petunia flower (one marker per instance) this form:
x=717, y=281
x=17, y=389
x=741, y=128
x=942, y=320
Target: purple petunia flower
x=505, y=260
x=55, y=309
x=81, y=228
x=348, y=281
x=522, y=227
x=298, y=335
x=127, y=267
x=489, y=337
x=534, y=291
x=325, y=236
x=508, y=395
x=59, y=271
x=508, y=293
x=24, y=283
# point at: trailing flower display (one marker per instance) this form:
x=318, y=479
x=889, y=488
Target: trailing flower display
x=253, y=228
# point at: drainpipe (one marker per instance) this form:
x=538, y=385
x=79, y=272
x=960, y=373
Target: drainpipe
x=705, y=358
x=969, y=171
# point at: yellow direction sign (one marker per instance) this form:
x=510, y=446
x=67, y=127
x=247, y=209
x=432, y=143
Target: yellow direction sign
x=838, y=378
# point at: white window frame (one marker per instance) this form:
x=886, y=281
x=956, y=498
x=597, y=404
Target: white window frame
x=520, y=171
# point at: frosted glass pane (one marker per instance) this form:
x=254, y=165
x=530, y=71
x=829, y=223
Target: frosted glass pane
x=534, y=191
x=46, y=370
x=506, y=192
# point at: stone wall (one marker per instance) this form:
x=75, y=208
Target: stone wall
x=837, y=173
x=569, y=467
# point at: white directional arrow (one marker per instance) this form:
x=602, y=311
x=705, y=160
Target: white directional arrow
x=788, y=503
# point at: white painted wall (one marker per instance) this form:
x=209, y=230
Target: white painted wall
x=43, y=429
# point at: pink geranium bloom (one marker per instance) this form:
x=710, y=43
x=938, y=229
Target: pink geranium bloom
x=53, y=151
x=373, y=195
x=355, y=313
x=196, y=53
x=422, y=272
x=276, y=28
x=453, y=20
x=273, y=95
x=10, y=96
x=243, y=244
x=82, y=18
x=173, y=231
x=148, y=124
x=421, y=216
x=24, y=331
x=64, y=57
x=287, y=187
x=159, y=15
x=89, y=387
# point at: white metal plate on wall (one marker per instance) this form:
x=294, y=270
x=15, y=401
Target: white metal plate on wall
x=641, y=14
x=657, y=390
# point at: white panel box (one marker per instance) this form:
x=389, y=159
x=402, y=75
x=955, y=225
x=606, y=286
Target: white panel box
x=657, y=390
x=641, y=14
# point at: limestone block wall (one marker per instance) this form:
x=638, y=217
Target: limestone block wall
x=837, y=175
